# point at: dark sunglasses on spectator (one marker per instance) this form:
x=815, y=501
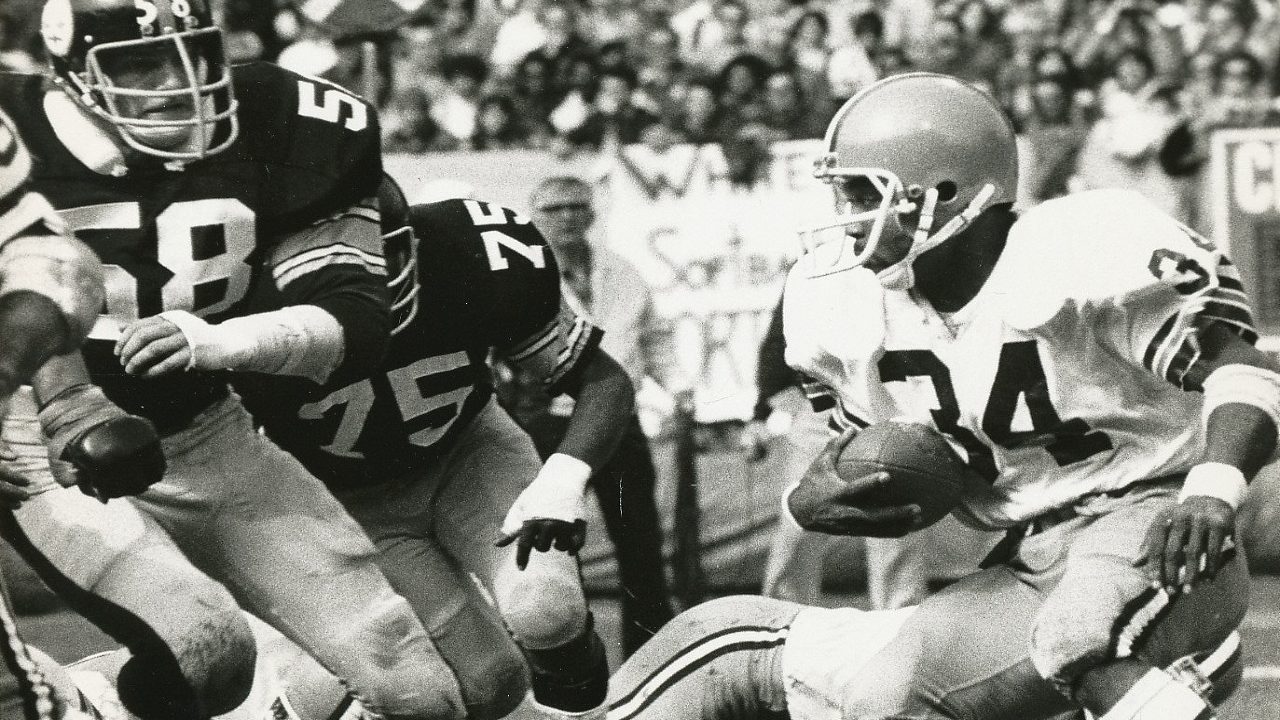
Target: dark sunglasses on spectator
x=558, y=207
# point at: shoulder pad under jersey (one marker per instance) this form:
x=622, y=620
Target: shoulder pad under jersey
x=496, y=260
x=321, y=142
x=1091, y=247
x=832, y=317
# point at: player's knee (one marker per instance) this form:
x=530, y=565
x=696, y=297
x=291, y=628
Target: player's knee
x=208, y=671
x=1065, y=645
x=490, y=670
x=393, y=667
x=545, y=612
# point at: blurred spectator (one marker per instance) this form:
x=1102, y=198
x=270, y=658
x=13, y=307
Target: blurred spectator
x=1054, y=132
x=578, y=84
x=661, y=75
x=739, y=87
x=891, y=60
x=1123, y=147
x=946, y=50
x=697, y=117
x=1226, y=26
x=789, y=112
x=454, y=102
x=905, y=21
x=612, y=118
x=771, y=24
x=985, y=43
x=806, y=51
x=719, y=39
x=457, y=31
x=564, y=42
x=497, y=126
x=612, y=21
x=406, y=122
x=1111, y=29
x=534, y=98
x=614, y=55
x=850, y=68
x=1238, y=97
x=518, y=35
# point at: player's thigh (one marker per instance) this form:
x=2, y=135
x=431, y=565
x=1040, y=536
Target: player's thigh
x=717, y=661
x=1104, y=608
x=291, y=553
x=116, y=566
x=963, y=654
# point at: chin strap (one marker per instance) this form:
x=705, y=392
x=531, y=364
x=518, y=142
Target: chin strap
x=901, y=275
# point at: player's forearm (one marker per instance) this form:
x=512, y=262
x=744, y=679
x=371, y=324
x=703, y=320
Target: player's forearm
x=337, y=266
x=299, y=340
x=605, y=402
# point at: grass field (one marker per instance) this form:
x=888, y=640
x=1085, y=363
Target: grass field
x=67, y=637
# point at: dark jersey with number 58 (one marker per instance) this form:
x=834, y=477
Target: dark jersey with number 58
x=487, y=282
x=205, y=237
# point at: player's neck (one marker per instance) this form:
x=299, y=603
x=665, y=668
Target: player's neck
x=951, y=275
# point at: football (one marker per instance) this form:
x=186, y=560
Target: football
x=922, y=467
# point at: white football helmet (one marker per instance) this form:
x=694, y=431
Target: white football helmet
x=937, y=152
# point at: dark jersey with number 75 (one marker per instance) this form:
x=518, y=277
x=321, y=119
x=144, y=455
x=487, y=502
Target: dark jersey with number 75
x=206, y=236
x=486, y=282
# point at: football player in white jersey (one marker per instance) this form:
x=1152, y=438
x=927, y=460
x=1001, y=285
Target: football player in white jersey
x=50, y=290
x=1093, y=361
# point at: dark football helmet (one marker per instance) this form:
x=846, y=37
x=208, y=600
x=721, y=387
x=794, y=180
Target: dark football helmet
x=400, y=247
x=932, y=150
x=154, y=69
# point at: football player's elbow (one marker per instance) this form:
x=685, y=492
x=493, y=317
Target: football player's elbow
x=59, y=268
x=614, y=378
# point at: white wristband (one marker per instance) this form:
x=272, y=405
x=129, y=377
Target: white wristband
x=1215, y=479
x=565, y=470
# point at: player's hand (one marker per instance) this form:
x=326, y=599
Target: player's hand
x=1186, y=542
x=153, y=346
x=13, y=485
x=754, y=440
x=825, y=502
x=98, y=447
x=549, y=513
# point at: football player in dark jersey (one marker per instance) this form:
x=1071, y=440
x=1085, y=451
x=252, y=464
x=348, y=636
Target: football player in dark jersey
x=50, y=290
x=197, y=185
x=423, y=457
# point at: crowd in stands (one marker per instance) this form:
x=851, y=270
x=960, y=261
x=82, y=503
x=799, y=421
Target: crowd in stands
x=1102, y=91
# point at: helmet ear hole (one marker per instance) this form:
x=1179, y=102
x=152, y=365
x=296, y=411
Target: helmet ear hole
x=946, y=191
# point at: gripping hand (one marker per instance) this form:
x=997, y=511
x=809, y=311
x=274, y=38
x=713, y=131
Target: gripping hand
x=98, y=447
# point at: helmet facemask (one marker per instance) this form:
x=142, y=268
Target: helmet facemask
x=401, y=249
x=202, y=83
x=899, y=208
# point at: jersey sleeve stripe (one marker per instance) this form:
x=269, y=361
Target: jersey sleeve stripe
x=583, y=337
x=688, y=660
x=534, y=343
x=820, y=397
x=312, y=260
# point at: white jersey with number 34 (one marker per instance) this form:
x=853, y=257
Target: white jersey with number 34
x=1065, y=376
